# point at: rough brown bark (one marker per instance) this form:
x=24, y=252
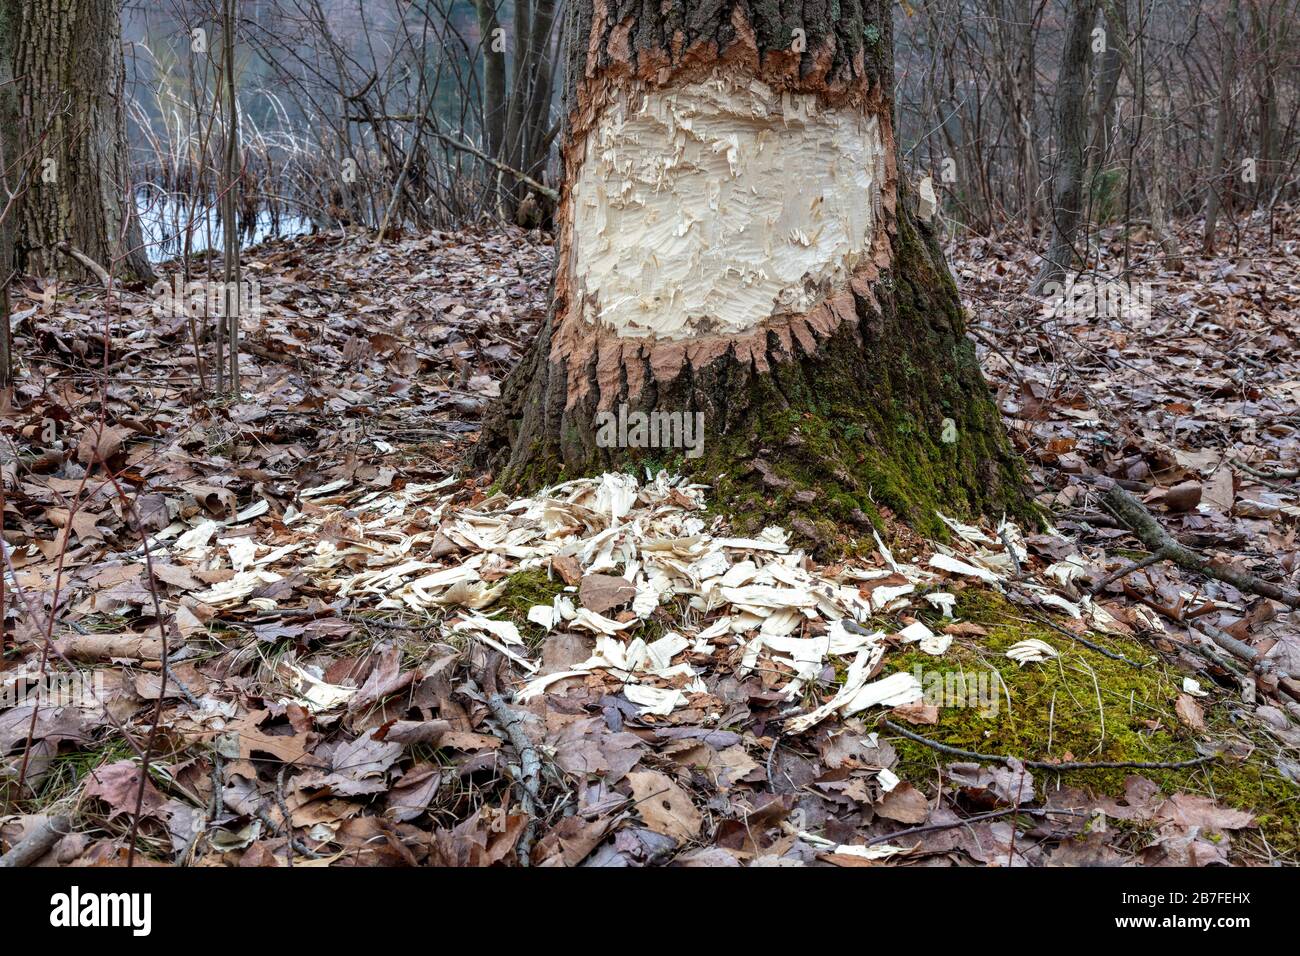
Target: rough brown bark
x=1071, y=164
x=1219, y=181
x=10, y=169
x=494, y=79
x=870, y=402
x=70, y=76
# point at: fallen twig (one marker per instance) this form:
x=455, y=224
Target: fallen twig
x=87, y=263
x=1282, y=474
x=1159, y=541
x=530, y=764
x=991, y=815
x=1130, y=568
x=1091, y=645
x=37, y=843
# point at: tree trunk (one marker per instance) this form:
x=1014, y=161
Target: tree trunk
x=1071, y=139
x=1219, y=183
x=737, y=263
x=1157, y=178
x=11, y=167
x=1266, y=68
x=1108, y=70
x=70, y=77
x=539, y=104
x=494, y=80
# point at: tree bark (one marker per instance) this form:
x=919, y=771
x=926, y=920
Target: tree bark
x=70, y=81
x=735, y=243
x=1071, y=140
x=1219, y=183
x=494, y=80
x=11, y=166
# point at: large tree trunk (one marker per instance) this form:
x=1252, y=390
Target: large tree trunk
x=732, y=244
x=70, y=77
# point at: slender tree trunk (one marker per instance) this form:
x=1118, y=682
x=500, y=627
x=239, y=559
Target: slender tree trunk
x=1108, y=70
x=11, y=168
x=516, y=115
x=737, y=260
x=230, y=192
x=70, y=82
x=1025, y=73
x=1157, y=178
x=1218, y=183
x=1266, y=95
x=1071, y=140
x=494, y=79
x=540, y=95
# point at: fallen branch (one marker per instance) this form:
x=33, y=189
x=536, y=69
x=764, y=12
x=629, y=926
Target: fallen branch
x=1047, y=764
x=524, y=178
x=1132, y=567
x=1282, y=474
x=1159, y=541
x=991, y=815
x=37, y=843
x=529, y=782
x=530, y=769
x=93, y=648
x=1211, y=637
x=86, y=262
x=1251, y=655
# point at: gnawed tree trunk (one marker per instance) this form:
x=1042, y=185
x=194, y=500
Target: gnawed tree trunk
x=731, y=244
x=70, y=83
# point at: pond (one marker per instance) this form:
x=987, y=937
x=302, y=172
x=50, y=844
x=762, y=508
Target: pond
x=164, y=220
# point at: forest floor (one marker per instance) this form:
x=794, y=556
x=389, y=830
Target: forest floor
x=375, y=659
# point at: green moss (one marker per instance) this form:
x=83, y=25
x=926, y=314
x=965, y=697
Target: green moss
x=1086, y=707
x=524, y=590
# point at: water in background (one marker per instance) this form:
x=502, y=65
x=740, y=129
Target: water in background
x=164, y=218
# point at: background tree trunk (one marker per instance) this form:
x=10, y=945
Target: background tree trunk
x=11, y=166
x=494, y=79
x=69, y=74
x=849, y=395
x=1071, y=122
x=1219, y=182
